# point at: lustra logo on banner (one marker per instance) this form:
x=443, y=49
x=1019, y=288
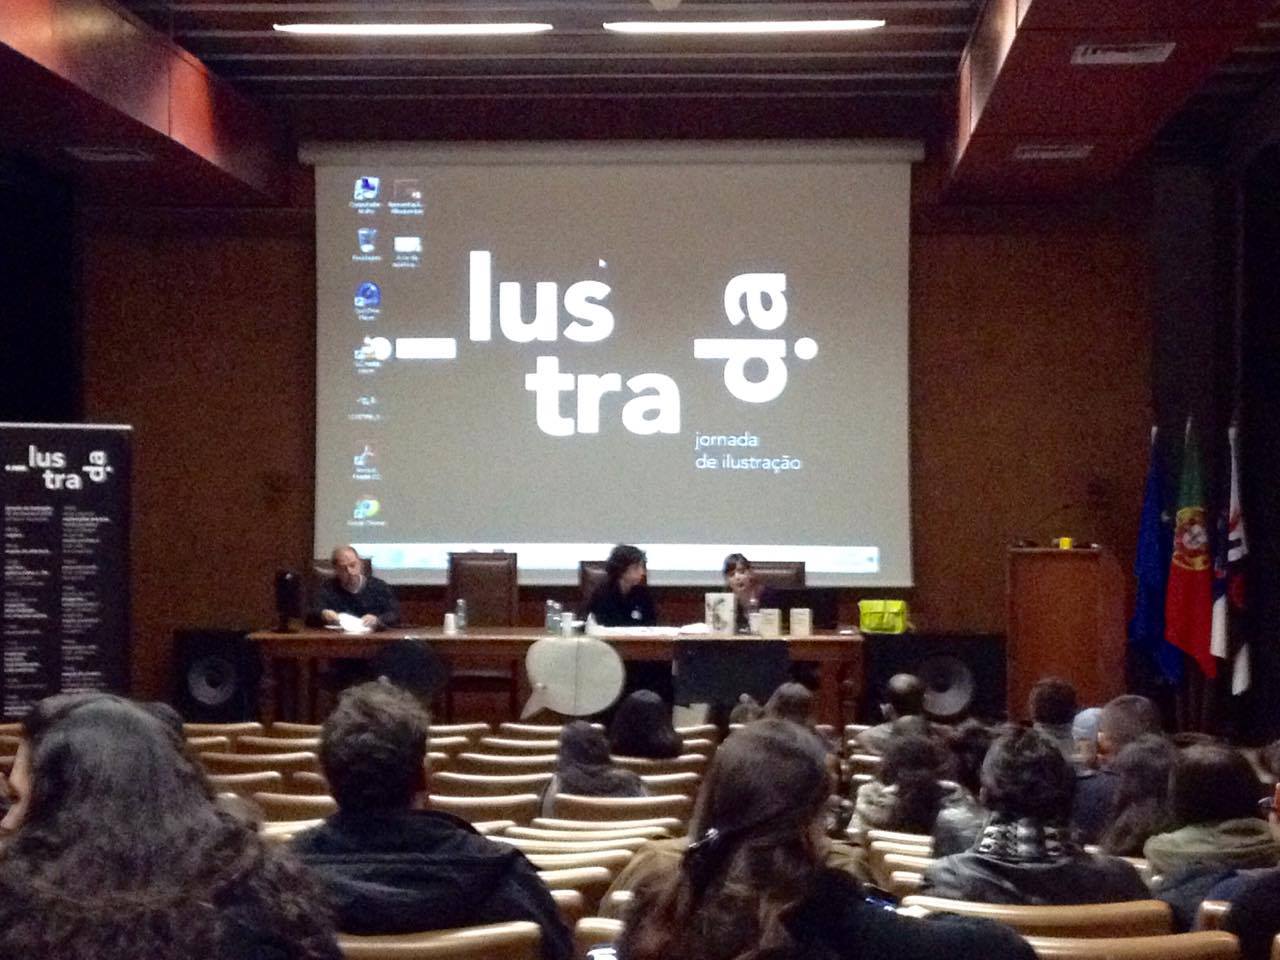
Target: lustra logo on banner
x=654, y=407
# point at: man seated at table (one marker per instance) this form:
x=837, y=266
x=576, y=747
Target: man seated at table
x=390, y=866
x=351, y=592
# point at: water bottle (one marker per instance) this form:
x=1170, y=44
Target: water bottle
x=553, y=616
x=753, y=614
x=460, y=613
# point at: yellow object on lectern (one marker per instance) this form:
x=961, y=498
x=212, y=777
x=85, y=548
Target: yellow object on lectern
x=1065, y=543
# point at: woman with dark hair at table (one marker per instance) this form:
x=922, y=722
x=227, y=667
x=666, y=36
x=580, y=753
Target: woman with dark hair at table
x=115, y=850
x=623, y=600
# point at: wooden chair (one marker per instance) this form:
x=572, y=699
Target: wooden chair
x=535, y=731
x=6, y=763
x=288, y=730
x=903, y=883
x=255, y=744
x=591, y=574
x=595, y=932
x=285, y=830
x=629, y=844
x=504, y=764
x=666, y=784
x=492, y=828
x=571, y=836
x=897, y=836
x=1211, y=914
x=517, y=940
x=11, y=729
x=864, y=763
x=232, y=730
x=878, y=850
x=591, y=882
x=1275, y=947
x=779, y=573
x=306, y=781
x=611, y=860
x=472, y=731
x=488, y=583
x=520, y=808
x=482, y=785
x=277, y=807
x=702, y=745
x=247, y=784
x=451, y=746
x=517, y=746
x=1205, y=945
x=699, y=731
x=901, y=861
x=195, y=745
x=852, y=730
x=570, y=807
x=674, y=825
x=1134, y=918
x=284, y=763
x=9, y=743
x=686, y=762
x=570, y=906
x=617, y=904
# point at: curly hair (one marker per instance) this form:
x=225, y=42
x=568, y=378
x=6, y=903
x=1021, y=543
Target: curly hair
x=755, y=854
x=372, y=748
x=123, y=854
x=1210, y=784
x=915, y=765
x=1025, y=776
x=621, y=558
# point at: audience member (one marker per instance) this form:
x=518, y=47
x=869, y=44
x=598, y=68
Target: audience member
x=958, y=824
x=349, y=591
x=1123, y=720
x=1024, y=853
x=584, y=768
x=1141, y=802
x=116, y=851
x=910, y=789
x=753, y=881
x=904, y=697
x=791, y=701
x=746, y=709
x=1084, y=730
x=1254, y=916
x=1213, y=798
x=391, y=867
x=642, y=727
x=1052, y=705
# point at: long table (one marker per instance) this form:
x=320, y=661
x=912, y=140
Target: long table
x=292, y=661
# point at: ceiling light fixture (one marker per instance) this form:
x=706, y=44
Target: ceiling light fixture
x=411, y=29
x=740, y=26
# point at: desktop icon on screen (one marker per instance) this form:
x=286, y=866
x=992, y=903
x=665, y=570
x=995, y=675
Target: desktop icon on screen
x=365, y=458
x=368, y=294
x=408, y=244
x=366, y=188
x=407, y=191
x=367, y=239
x=365, y=508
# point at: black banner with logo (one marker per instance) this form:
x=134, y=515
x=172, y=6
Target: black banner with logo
x=64, y=562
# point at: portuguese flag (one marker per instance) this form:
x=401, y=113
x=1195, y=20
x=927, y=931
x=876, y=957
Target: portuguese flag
x=1188, y=609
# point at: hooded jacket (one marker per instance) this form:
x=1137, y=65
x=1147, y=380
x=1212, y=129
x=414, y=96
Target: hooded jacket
x=1188, y=863
x=410, y=871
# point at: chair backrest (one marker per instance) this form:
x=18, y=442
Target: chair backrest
x=212, y=744
x=532, y=845
x=572, y=807
x=278, y=807
x=1211, y=914
x=779, y=573
x=702, y=745
x=584, y=836
x=1205, y=945
x=516, y=745
x=254, y=744
x=591, y=573
x=617, y=904
x=611, y=860
x=493, y=763
x=486, y=785
x=516, y=940
x=488, y=582
x=903, y=883
x=664, y=784
x=902, y=861
x=673, y=825
x=472, y=731
x=897, y=836
x=699, y=731
x=305, y=781
x=288, y=730
x=685, y=763
x=591, y=882
x=520, y=808
x=534, y=731
x=285, y=830
x=595, y=932
x=449, y=745
x=570, y=905
x=232, y=730
x=285, y=763
x=247, y=784
x=1133, y=918
x=864, y=763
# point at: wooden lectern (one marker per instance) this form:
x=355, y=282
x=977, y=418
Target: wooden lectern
x=1066, y=619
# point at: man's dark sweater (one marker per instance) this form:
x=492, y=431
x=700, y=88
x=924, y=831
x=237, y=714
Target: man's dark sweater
x=375, y=597
x=421, y=870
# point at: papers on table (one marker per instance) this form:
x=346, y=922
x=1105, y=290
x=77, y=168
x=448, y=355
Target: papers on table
x=350, y=623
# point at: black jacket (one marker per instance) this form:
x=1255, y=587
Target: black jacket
x=422, y=870
x=612, y=608
x=375, y=597
x=1091, y=809
x=1080, y=879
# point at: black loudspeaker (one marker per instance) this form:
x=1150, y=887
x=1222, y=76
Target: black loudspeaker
x=217, y=676
x=288, y=599
x=964, y=673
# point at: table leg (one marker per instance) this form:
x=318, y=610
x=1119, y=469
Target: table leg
x=267, y=692
x=304, y=690
x=829, y=693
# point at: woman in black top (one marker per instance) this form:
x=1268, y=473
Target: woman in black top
x=623, y=600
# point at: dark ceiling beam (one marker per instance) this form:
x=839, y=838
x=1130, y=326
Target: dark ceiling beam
x=1019, y=91
x=88, y=74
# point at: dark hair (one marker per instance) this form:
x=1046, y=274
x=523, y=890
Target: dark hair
x=754, y=854
x=746, y=709
x=372, y=748
x=1026, y=777
x=969, y=744
x=585, y=768
x=123, y=854
x=1052, y=701
x=621, y=558
x=905, y=694
x=1210, y=784
x=642, y=728
x=791, y=701
x=1140, y=807
x=1125, y=719
x=735, y=561
x=914, y=765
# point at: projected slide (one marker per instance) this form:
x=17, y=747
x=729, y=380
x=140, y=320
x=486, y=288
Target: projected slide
x=550, y=350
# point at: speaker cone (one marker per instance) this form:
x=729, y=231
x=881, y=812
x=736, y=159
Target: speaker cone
x=212, y=680
x=949, y=686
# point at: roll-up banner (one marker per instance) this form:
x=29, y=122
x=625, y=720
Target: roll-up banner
x=64, y=572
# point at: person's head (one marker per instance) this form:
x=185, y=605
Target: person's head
x=642, y=727
x=626, y=566
x=914, y=765
x=757, y=844
x=583, y=744
x=904, y=696
x=1143, y=769
x=373, y=749
x=1052, y=702
x=1210, y=784
x=737, y=573
x=791, y=701
x=1124, y=720
x=746, y=709
x=969, y=744
x=347, y=567
x=1026, y=777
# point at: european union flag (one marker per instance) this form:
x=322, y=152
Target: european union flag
x=1151, y=567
